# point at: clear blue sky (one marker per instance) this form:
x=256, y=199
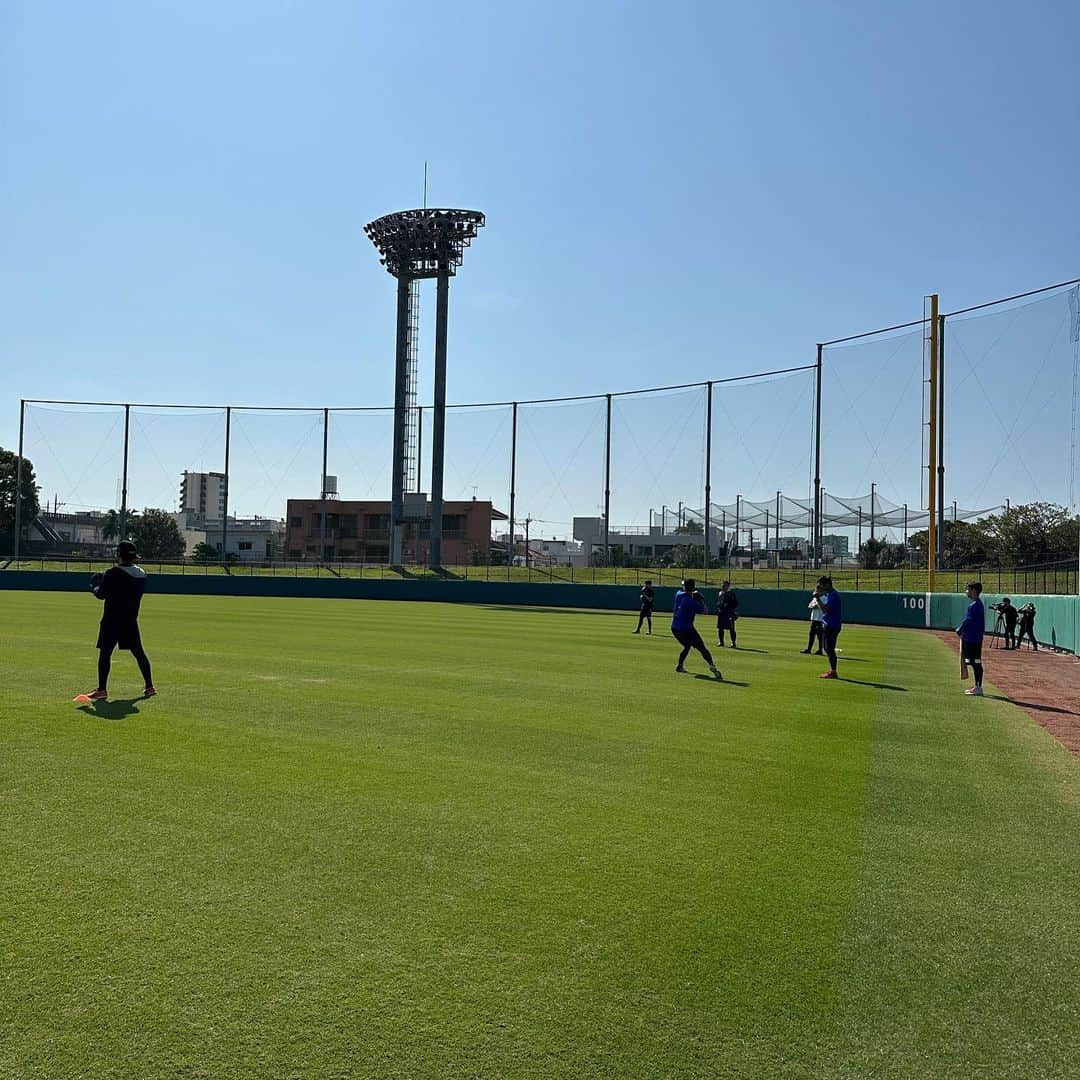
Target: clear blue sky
x=674, y=192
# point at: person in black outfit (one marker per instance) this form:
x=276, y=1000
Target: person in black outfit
x=121, y=589
x=727, y=611
x=646, y=607
x=1027, y=626
x=1009, y=614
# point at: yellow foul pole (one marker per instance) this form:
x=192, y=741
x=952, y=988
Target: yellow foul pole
x=931, y=560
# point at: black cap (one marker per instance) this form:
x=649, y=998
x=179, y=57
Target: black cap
x=126, y=550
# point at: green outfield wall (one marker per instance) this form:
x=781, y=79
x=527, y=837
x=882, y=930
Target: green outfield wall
x=1057, y=619
x=1057, y=624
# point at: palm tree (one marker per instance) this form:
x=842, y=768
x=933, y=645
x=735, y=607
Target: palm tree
x=110, y=527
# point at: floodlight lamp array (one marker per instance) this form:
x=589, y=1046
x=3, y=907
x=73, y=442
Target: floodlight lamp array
x=423, y=243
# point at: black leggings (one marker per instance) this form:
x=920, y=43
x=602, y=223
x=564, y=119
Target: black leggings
x=642, y=617
x=1029, y=629
x=830, y=645
x=971, y=651
x=817, y=633
x=105, y=663
x=691, y=639
x=1010, y=635
x=729, y=625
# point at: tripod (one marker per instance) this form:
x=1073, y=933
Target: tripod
x=999, y=629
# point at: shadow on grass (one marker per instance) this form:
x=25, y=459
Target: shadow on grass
x=115, y=709
x=743, y=648
x=875, y=685
x=721, y=682
x=527, y=608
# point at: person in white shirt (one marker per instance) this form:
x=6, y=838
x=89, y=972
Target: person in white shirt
x=817, y=627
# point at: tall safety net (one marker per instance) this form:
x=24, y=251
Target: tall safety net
x=762, y=460
x=1011, y=375
x=560, y=465
x=164, y=445
x=275, y=456
x=77, y=452
x=874, y=421
x=477, y=455
x=657, y=456
x=358, y=454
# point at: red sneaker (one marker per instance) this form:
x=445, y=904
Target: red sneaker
x=828, y=675
x=96, y=695
x=149, y=692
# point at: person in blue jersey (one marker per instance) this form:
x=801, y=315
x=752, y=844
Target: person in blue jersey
x=121, y=590
x=832, y=618
x=971, y=632
x=689, y=603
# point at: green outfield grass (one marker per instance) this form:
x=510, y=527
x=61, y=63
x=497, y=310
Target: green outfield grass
x=410, y=840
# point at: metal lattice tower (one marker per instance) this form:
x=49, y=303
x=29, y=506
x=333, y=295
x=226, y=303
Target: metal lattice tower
x=411, y=463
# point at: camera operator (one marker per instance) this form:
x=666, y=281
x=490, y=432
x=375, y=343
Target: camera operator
x=1027, y=626
x=1008, y=614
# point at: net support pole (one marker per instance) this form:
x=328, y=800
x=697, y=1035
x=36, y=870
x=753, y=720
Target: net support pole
x=124, y=474
x=225, y=493
x=513, y=483
x=607, y=486
x=873, y=494
x=708, y=468
x=18, y=482
x=931, y=502
x=941, y=442
x=322, y=489
x=438, y=427
x=419, y=442
x=778, y=498
x=738, y=513
x=817, y=532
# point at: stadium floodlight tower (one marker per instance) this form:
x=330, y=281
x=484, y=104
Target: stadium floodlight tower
x=413, y=245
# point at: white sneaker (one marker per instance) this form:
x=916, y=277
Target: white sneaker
x=974, y=691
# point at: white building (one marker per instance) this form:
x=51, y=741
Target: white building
x=83, y=528
x=248, y=539
x=643, y=542
x=203, y=494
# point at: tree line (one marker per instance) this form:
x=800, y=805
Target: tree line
x=1031, y=534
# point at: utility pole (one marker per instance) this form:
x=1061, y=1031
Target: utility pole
x=528, y=522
